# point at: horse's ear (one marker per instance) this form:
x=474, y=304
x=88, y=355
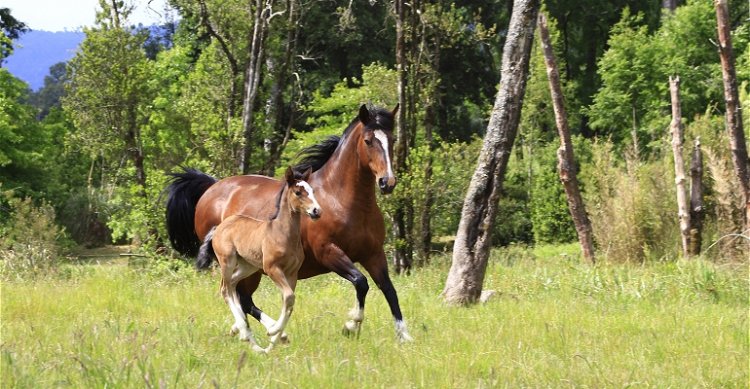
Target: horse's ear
x=306, y=174
x=364, y=114
x=289, y=176
x=395, y=110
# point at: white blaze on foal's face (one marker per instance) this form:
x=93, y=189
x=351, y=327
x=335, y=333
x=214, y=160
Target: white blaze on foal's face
x=310, y=209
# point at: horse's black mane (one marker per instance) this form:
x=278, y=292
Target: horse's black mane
x=317, y=155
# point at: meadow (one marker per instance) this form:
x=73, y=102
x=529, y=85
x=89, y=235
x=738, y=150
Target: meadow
x=553, y=322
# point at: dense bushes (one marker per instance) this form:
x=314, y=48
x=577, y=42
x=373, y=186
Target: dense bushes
x=31, y=243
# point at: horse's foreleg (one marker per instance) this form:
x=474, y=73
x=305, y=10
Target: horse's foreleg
x=246, y=288
x=337, y=261
x=379, y=272
x=286, y=285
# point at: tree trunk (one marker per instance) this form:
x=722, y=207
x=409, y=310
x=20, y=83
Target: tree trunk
x=402, y=257
x=679, y=165
x=731, y=97
x=275, y=108
x=252, y=79
x=473, y=238
x=696, y=199
x=669, y=5
x=565, y=155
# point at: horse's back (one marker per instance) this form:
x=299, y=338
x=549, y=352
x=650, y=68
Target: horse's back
x=249, y=195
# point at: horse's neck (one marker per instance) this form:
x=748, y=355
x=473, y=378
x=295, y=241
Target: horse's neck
x=344, y=176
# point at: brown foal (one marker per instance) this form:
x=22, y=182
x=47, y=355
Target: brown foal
x=244, y=246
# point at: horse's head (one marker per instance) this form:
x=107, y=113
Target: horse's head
x=376, y=146
x=300, y=194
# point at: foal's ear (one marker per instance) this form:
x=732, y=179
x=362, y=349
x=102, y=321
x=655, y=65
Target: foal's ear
x=306, y=174
x=364, y=114
x=395, y=110
x=289, y=176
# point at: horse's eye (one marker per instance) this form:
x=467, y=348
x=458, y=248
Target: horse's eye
x=368, y=142
x=298, y=193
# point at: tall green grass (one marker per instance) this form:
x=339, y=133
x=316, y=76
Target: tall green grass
x=552, y=323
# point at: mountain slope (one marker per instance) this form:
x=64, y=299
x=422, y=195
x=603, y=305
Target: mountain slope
x=35, y=51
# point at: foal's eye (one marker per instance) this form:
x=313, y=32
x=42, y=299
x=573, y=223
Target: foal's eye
x=368, y=142
x=297, y=193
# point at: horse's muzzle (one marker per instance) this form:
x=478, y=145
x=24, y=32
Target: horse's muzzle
x=387, y=184
x=315, y=213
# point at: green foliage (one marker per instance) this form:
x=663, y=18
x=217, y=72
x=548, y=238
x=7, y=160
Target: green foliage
x=636, y=68
x=31, y=243
x=137, y=218
x=452, y=166
x=550, y=215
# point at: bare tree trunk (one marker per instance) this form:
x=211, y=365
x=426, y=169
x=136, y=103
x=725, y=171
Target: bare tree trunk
x=275, y=108
x=679, y=165
x=473, y=238
x=252, y=79
x=402, y=257
x=565, y=155
x=731, y=97
x=669, y=5
x=430, y=118
x=696, y=199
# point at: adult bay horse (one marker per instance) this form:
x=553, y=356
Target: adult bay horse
x=346, y=170
x=244, y=246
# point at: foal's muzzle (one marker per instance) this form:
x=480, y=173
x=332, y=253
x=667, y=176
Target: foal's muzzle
x=387, y=184
x=315, y=213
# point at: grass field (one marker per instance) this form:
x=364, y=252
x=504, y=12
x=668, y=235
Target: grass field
x=553, y=323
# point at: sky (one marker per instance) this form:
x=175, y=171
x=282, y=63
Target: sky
x=60, y=15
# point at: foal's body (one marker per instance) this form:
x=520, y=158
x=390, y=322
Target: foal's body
x=244, y=246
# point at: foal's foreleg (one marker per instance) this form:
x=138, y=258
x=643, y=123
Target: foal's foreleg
x=246, y=288
x=286, y=284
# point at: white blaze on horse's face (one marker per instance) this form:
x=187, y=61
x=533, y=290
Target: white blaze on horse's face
x=387, y=182
x=313, y=208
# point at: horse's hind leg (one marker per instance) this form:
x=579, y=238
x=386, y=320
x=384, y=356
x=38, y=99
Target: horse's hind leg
x=246, y=288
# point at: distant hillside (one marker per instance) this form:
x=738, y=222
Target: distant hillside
x=36, y=51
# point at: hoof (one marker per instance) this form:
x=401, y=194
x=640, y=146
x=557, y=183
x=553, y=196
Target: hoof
x=404, y=337
x=282, y=338
x=351, y=328
x=261, y=350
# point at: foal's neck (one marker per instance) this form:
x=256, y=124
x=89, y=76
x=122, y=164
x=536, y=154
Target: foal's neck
x=287, y=220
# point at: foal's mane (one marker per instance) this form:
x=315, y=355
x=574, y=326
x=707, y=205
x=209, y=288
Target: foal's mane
x=317, y=155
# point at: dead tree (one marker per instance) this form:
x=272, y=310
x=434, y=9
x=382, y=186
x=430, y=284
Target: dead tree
x=565, y=157
x=731, y=98
x=679, y=165
x=696, y=199
x=473, y=238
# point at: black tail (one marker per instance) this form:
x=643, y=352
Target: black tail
x=206, y=253
x=183, y=194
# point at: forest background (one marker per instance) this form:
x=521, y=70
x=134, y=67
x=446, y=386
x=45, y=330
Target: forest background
x=232, y=87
